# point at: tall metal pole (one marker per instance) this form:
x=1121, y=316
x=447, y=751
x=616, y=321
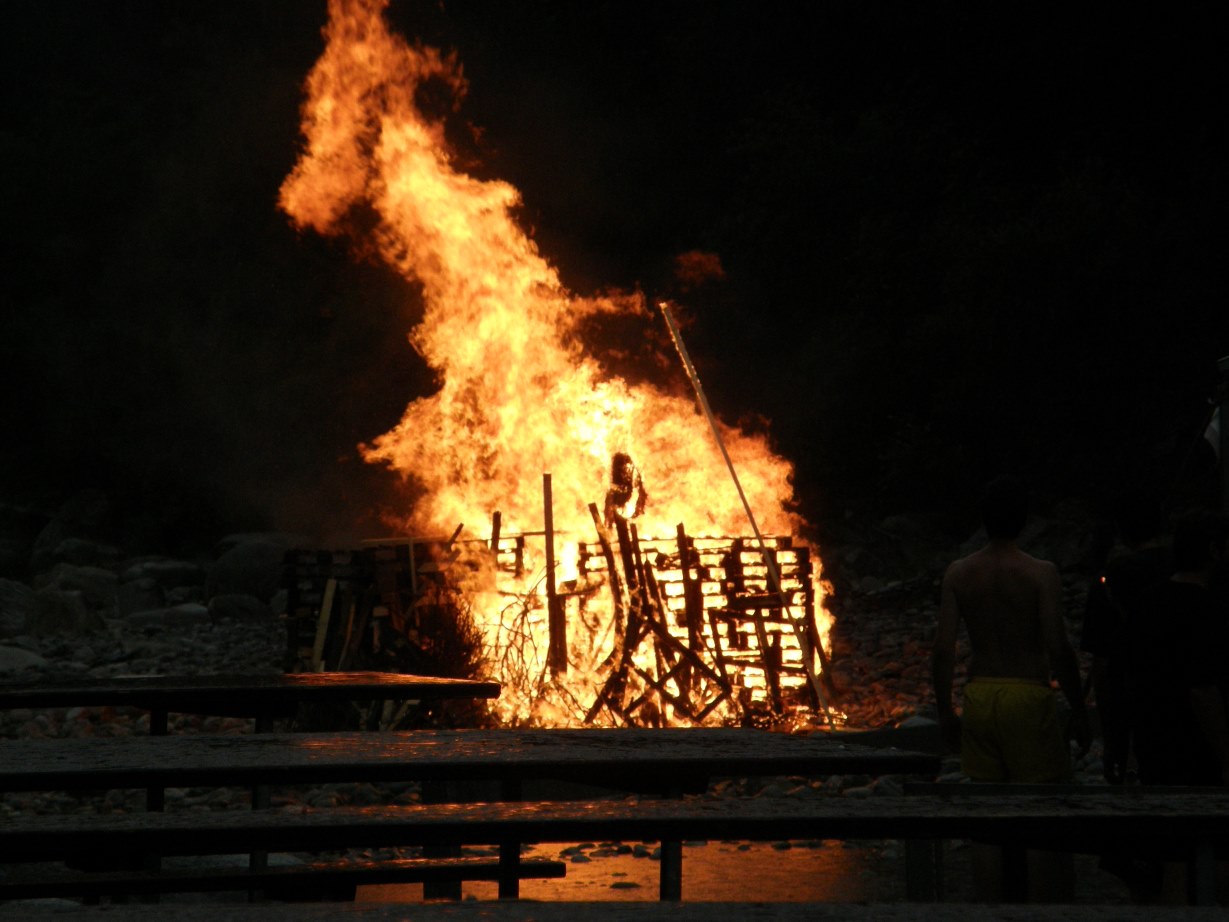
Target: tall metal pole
x=800, y=631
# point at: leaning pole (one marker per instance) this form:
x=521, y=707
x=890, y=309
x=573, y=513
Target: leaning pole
x=774, y=576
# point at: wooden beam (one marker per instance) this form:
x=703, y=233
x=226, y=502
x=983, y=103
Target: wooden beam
x=557, y=648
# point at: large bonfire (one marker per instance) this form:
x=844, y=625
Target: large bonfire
x=518, y=395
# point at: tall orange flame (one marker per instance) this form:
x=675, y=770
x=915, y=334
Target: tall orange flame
x=517, y=395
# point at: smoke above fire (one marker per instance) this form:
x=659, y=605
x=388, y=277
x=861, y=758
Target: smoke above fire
x=518, y=394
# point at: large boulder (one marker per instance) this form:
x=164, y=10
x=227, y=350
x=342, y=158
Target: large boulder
x=17, y=600
x=85, y=516
x=140, y=594
x=15, y=659
x=96, y=585
x=166, y=572
x=19, y=527
x=189, y=614
x=85, y=553
x=61, y=612
x=238, y=607
x=250, y=567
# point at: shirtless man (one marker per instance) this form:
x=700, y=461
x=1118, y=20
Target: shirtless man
x=1010, y=604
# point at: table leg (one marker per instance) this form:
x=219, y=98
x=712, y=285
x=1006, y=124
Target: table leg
x=1201, y=875
x=155, y=797
x=924, y=870
x=510, y=790
x=1015, y=873
x=672, y=870
x=437, y=792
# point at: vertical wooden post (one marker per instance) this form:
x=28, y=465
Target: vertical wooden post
x=693, y=602
x=629, y=579
x=440, y=791
x=557, y=650
x=322, y=626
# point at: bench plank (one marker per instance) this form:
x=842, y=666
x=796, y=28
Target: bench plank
x=336, y=879
x=513, y=911
x=1091, y=821
x=247, y=694
x=620, y=758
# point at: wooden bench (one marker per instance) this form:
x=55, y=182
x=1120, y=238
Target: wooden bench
x=334, y=880
x=1189, y=825
x=511, y=911
x=263, y=698
x=648, y=761
x=924, y=858
x=510, y=763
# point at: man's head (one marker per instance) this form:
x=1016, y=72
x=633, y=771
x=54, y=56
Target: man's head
x=1004, y=507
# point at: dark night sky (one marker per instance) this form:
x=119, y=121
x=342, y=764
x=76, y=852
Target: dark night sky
x=956, y=240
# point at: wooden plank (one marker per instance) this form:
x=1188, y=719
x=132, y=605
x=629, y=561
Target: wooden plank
x=611, y=694
x=1171, y=822
x=924, y=858
x=248, y=695
x=511, y=911
x=587, y=756
x=322, y=625
x=302, y=881
x=994, y=789
x=556, y=622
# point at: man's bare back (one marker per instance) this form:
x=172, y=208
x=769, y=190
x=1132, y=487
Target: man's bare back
x=1009, y=602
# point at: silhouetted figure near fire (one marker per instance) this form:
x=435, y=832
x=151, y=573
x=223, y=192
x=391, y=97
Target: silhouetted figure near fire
x=1178, y=681
x=1179, y=675
x=1010, y=603
x=1119, y=597
x=626, y=497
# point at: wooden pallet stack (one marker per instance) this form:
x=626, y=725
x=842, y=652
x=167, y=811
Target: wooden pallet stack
x=716, y=628
x=388, y=607
x=699, y=623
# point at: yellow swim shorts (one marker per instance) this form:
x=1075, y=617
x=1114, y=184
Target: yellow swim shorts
x=1010, y=732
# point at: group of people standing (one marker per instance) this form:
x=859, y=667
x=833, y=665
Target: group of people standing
x=1156, y=626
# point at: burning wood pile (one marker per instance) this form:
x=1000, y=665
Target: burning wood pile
x=618, y=628
x=650, y=632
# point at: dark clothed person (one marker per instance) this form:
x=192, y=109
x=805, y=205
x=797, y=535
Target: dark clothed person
x=1123, y=595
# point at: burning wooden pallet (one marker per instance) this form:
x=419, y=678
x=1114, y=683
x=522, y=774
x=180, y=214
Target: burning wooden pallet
x=698, y=628
x=718, y=630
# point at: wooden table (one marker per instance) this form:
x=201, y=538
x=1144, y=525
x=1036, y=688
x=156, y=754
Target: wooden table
x=1188, y=827
x=262, y=697
x=664, y=761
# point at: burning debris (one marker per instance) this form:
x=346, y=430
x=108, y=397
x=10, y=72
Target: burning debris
x=659, y=631
x=518, y=391
x=626, y=497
